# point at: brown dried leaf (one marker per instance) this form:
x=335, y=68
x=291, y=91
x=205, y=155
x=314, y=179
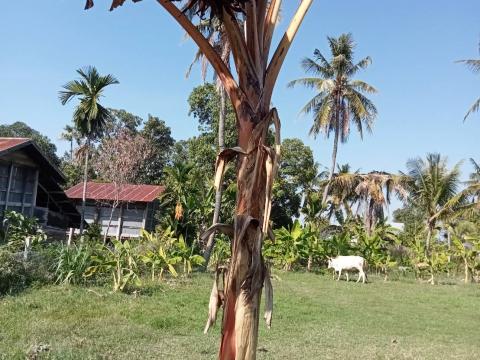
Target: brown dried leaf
x=223, y=158
x=214, y=303
x=223, y=228
x=268, y=297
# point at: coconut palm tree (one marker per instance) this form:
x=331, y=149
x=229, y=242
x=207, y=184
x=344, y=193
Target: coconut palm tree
x=433, y=189
x=341, y=191
x=474, y=65
x=340, y=100
x=89, y=116
x=374, y=190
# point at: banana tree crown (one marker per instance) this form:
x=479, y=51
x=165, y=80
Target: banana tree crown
x=197, y=7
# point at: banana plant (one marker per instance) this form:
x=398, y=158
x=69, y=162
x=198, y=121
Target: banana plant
x=159, y=252
x=468, y=250
x=119, y=261
x=160, y=260
x=287, y=248
x=311, y=247
x=186, y=255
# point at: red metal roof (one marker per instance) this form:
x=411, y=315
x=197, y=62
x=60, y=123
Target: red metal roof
x=8, y=143
x=106, y=191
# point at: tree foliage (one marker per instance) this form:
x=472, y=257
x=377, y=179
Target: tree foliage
x=20, y=129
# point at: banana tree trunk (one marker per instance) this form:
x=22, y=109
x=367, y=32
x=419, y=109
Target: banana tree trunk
x=218, y=194
x=245, y=278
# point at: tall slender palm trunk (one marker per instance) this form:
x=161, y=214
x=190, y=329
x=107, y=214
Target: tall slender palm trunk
x=218, y=194
x=428, y=241
x=334, y=162
x=84, y=193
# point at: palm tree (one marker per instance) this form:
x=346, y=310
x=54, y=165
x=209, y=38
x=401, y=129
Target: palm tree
x=374, y=190
x=433, y=189
x=474, y=65
x=89, y=117
x=70, y=134
x=340, y=99
x=342, y=192
x=214, y=31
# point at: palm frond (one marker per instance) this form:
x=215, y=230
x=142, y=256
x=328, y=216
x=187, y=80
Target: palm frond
x=360, y=85
x=474, y=108
x=472, y=64
x=311, y=67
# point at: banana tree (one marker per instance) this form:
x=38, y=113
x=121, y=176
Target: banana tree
x=289, y=245
x=249, y=27
x=120, y=261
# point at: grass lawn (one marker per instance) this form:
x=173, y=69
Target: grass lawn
x=314, y=318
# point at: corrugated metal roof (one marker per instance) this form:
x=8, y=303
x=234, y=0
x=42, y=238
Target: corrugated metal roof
x=106, y=191
x=8, y=143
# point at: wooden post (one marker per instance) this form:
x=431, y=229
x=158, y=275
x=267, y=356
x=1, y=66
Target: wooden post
x=9, y=186
x=144, y=220
x=34, y=195
x=70, y=237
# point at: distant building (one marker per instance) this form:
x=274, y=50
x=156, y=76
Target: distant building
x=136, y=208
x=32, y=185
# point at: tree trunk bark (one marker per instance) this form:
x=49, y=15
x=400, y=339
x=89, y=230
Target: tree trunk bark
x=84, y=193
x=105, y=236
x=218, y=194
x=465, y=264
x=429, y=239
x=334, y=161
x=309, y=263
x=245, y=277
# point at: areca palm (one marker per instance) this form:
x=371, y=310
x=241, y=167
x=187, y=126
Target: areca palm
x=433, y=189
x=474, y=65
x=89, y=116
x=340, y=100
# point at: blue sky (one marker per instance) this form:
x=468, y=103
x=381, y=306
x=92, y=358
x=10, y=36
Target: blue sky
x=423, y=94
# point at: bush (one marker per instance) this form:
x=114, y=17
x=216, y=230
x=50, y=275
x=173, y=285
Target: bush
x=17, y=229
x=40, y=266
x=93, y=233
x=13, y=275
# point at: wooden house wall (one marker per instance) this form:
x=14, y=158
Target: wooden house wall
x=132, y=217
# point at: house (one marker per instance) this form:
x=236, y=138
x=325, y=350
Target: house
x=31, y=184
x=135, y=209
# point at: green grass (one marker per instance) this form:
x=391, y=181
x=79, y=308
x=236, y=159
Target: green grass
x=314, y=318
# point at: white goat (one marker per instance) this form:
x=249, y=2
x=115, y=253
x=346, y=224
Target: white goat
x=347, y=263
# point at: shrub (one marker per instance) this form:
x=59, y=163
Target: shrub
x=93, y=233
x=13, y=276
x=20, y=232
